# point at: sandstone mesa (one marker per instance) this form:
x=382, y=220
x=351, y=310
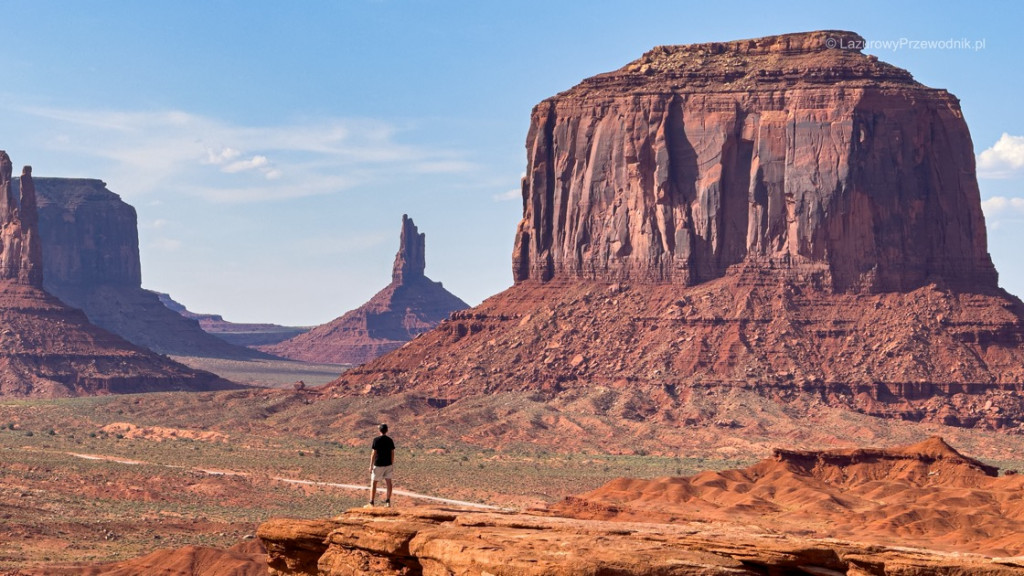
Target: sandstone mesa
x=767, y=214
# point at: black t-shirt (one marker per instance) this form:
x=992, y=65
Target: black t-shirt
x=384, y=447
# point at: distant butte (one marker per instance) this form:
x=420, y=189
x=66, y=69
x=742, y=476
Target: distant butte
x=410, y=305
x=90, y=245
x=48, y=349
x=770, y=215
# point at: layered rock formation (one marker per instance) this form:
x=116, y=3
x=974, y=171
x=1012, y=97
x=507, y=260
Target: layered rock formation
x=926, y=495
x=772, y=214
x=90, y=246
x=774, y=153
x=48, y=349
x=237, y=333
x=855, y=512
x=410, y=305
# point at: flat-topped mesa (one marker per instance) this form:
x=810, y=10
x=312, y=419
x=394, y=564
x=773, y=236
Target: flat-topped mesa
x=21, y=258
x=793, y=153
x=410, y=261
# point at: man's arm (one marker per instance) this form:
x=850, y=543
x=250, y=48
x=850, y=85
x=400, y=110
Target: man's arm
x=373, y=458
x=392, y=456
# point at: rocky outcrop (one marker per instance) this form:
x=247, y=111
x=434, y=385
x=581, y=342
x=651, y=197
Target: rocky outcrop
x=90, y=246
x=923, y=509
x=48, y=349
x=424, y=541
x=926, y=495
x=774, y=215
x=20, y=255
x=407, y=307
x=777, y=153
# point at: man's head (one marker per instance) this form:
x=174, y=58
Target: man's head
x=383, y=428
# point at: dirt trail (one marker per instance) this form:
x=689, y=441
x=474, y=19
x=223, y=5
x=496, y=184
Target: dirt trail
x=219, y=472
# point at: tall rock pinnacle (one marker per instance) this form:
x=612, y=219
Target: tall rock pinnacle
x=407, y=307
x=20, y=251
x=410, y=262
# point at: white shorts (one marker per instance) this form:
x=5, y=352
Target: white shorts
x=381, y=473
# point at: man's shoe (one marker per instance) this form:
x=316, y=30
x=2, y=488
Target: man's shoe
x=370, y=505
x=387, y=503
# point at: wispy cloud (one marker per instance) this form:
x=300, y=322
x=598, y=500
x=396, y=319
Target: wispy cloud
x=508, y=195
x=224, y=162
x=1004, y=159
x=1002, y=206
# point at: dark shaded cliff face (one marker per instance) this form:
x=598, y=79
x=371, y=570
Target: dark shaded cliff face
x=90, y=250
x=777, y=153
x=407, y=307
x=90, y=234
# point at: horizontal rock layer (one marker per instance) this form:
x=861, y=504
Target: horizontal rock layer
x=433, y=541
x=930, y=354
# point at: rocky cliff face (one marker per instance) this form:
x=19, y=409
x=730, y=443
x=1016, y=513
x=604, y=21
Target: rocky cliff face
x=410, y=305
x=780, y=516
x=48, y=349
x=90, y=246
x=775, y=153
x=773, y=215
x=20, y=253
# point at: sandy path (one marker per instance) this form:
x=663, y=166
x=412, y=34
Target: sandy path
x=218, y=472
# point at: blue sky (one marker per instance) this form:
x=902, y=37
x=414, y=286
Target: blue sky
x=271, y=148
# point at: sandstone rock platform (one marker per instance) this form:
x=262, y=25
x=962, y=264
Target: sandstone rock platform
x=664, y=526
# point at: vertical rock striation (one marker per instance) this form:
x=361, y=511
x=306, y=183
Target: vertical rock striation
x=20, y=254
x=777, y=153
x=411, y=260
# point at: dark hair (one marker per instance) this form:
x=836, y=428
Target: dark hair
x=383, y=428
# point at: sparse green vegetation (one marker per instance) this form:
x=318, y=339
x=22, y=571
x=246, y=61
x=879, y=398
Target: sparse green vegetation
x=87, y=493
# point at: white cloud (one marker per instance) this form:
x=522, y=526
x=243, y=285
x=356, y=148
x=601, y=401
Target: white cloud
x=154, y=153
x=224, y=155
x=243, y=165
x=1002, y=206
x=1004, y=159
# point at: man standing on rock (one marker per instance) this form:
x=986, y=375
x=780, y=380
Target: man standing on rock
x=382, y=461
